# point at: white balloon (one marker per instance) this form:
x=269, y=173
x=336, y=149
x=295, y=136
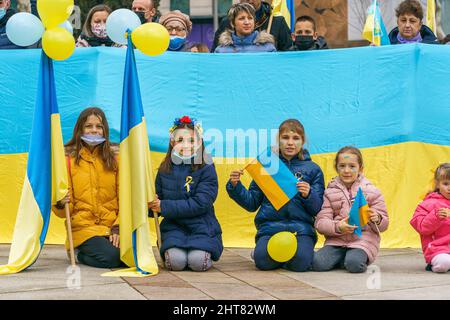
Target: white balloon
x=118, y=22
x=24, y=29
x=67, y=25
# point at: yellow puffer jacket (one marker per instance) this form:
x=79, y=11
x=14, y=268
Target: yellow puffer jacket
x=94, y=206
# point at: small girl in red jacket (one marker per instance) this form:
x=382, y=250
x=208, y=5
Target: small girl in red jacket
x=432, y=221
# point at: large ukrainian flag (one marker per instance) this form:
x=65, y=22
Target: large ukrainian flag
x=46, y=176
x=135, y=179
x=286, y=9
x=374, y=28
x=273, y=177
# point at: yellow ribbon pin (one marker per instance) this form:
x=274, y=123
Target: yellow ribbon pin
x=188, y=182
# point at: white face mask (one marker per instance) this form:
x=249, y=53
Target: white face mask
x=93, y=140
x=2, y=13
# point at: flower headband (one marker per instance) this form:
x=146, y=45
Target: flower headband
x=186, y=120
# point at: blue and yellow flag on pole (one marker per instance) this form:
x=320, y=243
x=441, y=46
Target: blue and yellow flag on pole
x=374, y=28
x=46, y=177
x=359, y=214
x=286, y=9
x=273, y=177
x=135, y=179
x=431, y=15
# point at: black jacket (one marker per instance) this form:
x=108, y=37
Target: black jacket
x=279, y=29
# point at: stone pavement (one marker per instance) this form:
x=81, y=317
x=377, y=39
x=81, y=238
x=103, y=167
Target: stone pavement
x=396, y=274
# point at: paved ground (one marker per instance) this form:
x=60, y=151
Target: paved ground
x=397, y=274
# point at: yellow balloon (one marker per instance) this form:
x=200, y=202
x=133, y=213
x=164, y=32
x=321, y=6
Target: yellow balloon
x=282, y=246
x=151, y=38
x=54, y=12
x=58, y=43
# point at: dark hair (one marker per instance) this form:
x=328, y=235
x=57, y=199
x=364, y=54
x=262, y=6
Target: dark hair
x=308, y=19
x=198, y=162
x=237, y=8
x=296, y=126
x=351, y=150
x=442, y=173
x=87, y=24
x=201, y=47
x=73, y=147
x=410, y=7
x=446, y=39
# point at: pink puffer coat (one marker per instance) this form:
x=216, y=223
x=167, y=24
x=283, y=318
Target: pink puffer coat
x=336, y=207
x=434, y=231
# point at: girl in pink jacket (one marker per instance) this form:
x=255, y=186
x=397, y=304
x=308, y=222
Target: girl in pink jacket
x=432, y=221
x=343, y=248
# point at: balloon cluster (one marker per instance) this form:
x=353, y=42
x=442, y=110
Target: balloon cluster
x=25, y=29
x=150, y=38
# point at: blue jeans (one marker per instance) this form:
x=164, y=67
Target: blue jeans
x=301, y=261
x=332, y=257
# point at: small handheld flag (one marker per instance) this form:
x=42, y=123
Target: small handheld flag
x=273, y=177
x=374, y=28
x=359, y=214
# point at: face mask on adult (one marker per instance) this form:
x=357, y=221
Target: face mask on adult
x=141, y=15
x=304, y=42
x=176, y=42
x=2, y=13
x=93, y=140
x=99, y=30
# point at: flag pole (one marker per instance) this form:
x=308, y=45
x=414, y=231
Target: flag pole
x=158, y=231
x=376, y=226
x=69, y=235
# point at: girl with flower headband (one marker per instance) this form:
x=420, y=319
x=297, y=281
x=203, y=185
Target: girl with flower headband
x=186, y=188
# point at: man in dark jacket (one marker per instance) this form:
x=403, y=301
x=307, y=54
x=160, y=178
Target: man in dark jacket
x=305, y=35
x=5, y=13
x=279, y=28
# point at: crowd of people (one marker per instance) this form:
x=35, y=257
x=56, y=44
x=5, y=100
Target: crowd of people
x=187, y=186
x=249, y=26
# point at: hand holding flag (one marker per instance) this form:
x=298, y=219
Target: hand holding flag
x=361, y=214
x=273, y=177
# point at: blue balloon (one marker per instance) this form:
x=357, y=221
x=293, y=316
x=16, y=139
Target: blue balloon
x=24, y=29
x=67, y=25
x=118, y=22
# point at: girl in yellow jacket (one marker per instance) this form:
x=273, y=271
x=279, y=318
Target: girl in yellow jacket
x=93, y=192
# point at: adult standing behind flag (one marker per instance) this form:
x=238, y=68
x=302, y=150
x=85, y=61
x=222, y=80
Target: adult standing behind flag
x=93, y=191
x=146, y=10
x=244, y=38
x=305, y=35
x=409, y=25
x=279, y=29
x=179, y=26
